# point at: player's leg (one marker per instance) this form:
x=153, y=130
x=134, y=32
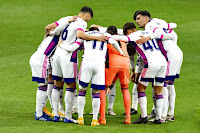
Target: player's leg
x=147, y=75
x=74, y=103
x=158, y=86
x=135, y=95
x=58, y=85
x=50, y=82
x=69, y=70
x=38, y=68
x=61, y=107
x=165, y=103
x=111, y=99
x=81, y=103
x=111, y=96
x=172, y=97
x=95, y=106
x=110, y=73
x=97, y=84
x=124, y=75
x=142, y=99
x=69, y=95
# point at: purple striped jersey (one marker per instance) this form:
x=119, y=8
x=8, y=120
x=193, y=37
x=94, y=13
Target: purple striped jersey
x=149, y=51
x=48, y=45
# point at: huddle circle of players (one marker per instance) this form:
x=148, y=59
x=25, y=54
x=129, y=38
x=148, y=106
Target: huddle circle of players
x=108, y=55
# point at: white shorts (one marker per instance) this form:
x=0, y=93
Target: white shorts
x=38, y=63
x=92, y=71
x=153, y=74
x=63, y=68
x=174, y=67
x=175, y=58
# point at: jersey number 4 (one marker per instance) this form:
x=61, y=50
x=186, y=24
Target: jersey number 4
x=147, y=45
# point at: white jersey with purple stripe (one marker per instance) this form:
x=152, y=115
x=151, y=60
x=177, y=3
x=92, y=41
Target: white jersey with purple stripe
x=69, y=36
x=149, y=51
x=169, y=48
x=94, y=50
x=48, y=45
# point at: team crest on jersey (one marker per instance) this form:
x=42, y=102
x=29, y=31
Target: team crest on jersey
x=158, y=23
x=143, y=33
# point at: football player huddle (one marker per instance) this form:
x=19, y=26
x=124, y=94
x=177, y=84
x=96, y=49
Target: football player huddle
x=108, y=55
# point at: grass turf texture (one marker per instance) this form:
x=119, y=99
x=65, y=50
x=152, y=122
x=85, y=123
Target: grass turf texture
x=22, y=30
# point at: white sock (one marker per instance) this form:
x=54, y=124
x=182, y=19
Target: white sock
x=74, y=103
x=165, y=102
x=159, y=106
x=135, y=97
x=111, y=97
x=68, y=104
x=143, y=106
x=81, y=105
x=40, y=102
x=95, y=106
x=154, y=100
x=55, y=101
x=61, y=107
x=49, y=94
x=172, y=96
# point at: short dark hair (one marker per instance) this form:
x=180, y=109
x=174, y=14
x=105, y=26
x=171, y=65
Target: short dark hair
x=143, y=13
x=86, y=9
x=112, y=30
x=93, y=28
x=128, y=26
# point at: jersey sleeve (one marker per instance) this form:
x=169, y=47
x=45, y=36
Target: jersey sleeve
x=154, y=23
x=62, y=20
x=61, y=24
x=81, y=25
x=132, y=37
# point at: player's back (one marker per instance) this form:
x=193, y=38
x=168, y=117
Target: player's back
x=94, y=50
x=116, y=60
x=155, y=22
x=69, y=34
x=149, y=51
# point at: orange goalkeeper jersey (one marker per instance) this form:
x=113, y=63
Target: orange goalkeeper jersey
x=115, y=60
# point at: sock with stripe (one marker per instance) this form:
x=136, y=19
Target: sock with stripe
x=142, y=99
x=41, y=97
x=81, y=103
x=172, y=97
x=55, y=99
x=159, y=106
x=95, y=105
x=69, y=95
x=165, y=100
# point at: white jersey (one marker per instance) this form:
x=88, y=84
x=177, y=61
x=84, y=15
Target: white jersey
x=170, y=46
x=69, y=35
x=149, y=51
x=94, y=50
x=48, y=46
x=155, y=22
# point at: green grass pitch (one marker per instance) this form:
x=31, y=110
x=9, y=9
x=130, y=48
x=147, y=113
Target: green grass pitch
x=22, y=25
